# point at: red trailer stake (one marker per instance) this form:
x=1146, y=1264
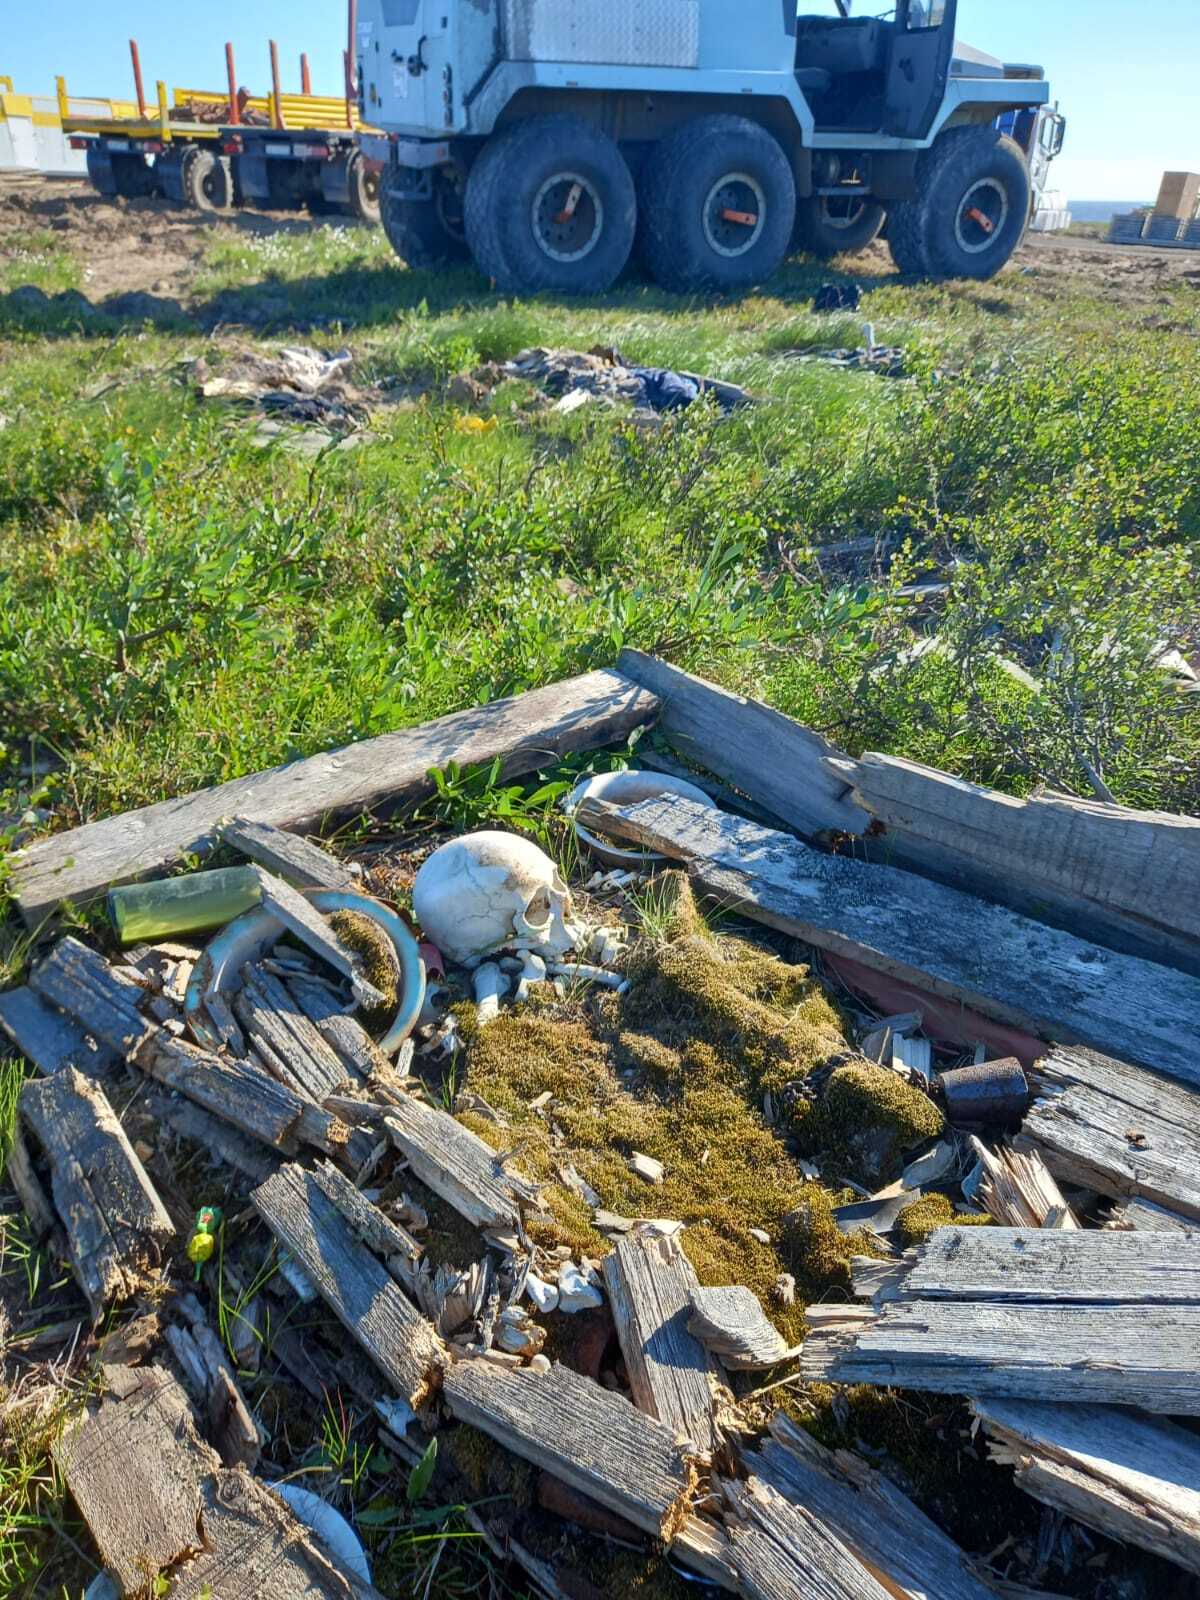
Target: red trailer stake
x=235, y=115
x=275, y=84
x=305, y=77
x=137, y=78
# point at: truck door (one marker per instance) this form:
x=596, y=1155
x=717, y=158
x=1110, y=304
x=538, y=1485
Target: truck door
x=918, y=71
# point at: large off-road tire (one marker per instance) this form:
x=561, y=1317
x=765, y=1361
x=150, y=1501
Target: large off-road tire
x=550, y=205
x=425, y=233
x=207, y=181
x=971, y=208
x=363, y=182
x=828, y=226
x=716, y=206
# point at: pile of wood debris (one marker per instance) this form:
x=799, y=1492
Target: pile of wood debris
x=1070, y=1322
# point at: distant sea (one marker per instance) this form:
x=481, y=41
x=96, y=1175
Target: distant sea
x=1103, y=210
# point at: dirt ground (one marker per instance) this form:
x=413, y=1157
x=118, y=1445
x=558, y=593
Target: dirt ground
x=152, y=246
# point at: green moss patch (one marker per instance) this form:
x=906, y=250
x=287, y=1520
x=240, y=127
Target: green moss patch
x=864, y=1123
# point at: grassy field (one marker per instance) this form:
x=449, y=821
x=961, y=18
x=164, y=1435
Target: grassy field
x=180, y=605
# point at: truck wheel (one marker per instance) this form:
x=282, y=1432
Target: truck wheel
x=716, y=207
x=551, y=205
x=425, y=233
x=363, y=184
x=207, y=182
x=971, y=210
x=134, y=177
x=100, y=173
x=827, y=225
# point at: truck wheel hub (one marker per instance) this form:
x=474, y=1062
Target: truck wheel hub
x=568, y=217
x=981, y=216
x=735, y=214
x=841, y=213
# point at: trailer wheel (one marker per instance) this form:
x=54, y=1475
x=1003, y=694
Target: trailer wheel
x=133, y=176
x=828, y=225
x=971, y=210
x=550, y=204
x=716, y=206
x=363, y=183
x=207, y=181
x=100, y=173
x=425, y=233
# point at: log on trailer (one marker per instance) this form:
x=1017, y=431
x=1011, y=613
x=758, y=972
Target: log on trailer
x=1123, y=1132
x=868, y=1513
x=529, y=731
x=49, y=1038
x=355, y=1285
x=1130, y=1477
x=1078, y=1317
x=115, y=1223
x=582, y=1433
x=671, y=1375
x=983, y=955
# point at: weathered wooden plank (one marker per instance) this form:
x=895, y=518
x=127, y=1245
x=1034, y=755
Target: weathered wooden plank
x=1133, y=1355
x=50, y=1039
x=1128, y=1476
x=986, y=956
x=114, y=1221
x=584, y=1434
x=768, y=756
x=732, y=1324
x=1050, y=1266
x=352, y=1282
x=457, y=1165
x=243, y=1093
x=302, y=919
x=303, y=864
x=231, y=1427
x=133, y=1467
x=270, y=1016
x=80, y=982
x=868, y=1513
x=526, y=732
x=217, y=1139
x=400, y=1251
x=346, y=1035
x=19, y=1174
x=1150, y=1218
x=671, y=1375
x=781, y=1551
x=1123, y=1132
x=1128, y=878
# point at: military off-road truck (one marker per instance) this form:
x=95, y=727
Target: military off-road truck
x=550, y=139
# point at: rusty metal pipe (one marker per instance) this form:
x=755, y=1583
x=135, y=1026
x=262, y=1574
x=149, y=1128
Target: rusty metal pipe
x=138, y=85
x=235, y=115
x=276, y=92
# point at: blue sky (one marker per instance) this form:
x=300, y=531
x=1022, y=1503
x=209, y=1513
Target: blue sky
x=1124, y=72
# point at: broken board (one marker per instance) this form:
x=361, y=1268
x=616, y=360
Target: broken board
x=456, y=1164
x=529, y=731
x=1123, y=1132
x=352, y=1281
x=114, y=1221
x=781, y=1551
x=80, y=982
x=1130, y=1477
x=302, y=864
x=584, y=1434
x=1079, y=1317
x=983, y=955
x=49, y=1038
x=671, y=1375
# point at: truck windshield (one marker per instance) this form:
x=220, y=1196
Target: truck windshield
x=926, y=14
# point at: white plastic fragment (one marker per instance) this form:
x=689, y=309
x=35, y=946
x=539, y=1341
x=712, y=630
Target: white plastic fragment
x=581, y=971
x=544, y=1295
x=575, y=1293
x=646, y=1167
x=539, y=1363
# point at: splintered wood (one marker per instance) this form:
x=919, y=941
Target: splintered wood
x=457, y=1165
x=782, y=1552
x=242, y=1092
x=115, y=1224
x=732, y=1325
x=582, y=1433
x=304, y=865
x=279, y=1032
x=160, y=1506
x=1123, y=1132
x=353, y=1283
x=1046, y=1315
x=80, y=982
x=1128, y=1476
x=671, y=1375
x=1018, y=1189
x=868, y=1513
x=1035, y=977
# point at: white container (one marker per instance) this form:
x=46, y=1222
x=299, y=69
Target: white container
x=626, y=789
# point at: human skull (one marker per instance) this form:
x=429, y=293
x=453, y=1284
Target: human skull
x=493, y=891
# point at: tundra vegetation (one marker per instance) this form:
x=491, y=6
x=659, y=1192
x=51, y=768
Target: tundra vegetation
x=975, y=566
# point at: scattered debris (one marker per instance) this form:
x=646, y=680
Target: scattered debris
x=646, y=1167
x=837, y=297
x=1017, y=1189
x=993, y=1092
x=604, y=374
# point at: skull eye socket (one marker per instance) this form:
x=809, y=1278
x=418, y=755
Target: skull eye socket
x=537, y=911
